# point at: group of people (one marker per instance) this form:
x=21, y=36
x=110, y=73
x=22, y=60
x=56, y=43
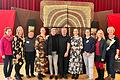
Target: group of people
x=59, y=54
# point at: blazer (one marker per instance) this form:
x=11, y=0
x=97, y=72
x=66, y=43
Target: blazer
x=48, y=45
x=102, y=48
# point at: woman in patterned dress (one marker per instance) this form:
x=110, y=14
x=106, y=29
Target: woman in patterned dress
x=18, y=44
x=41, y=62
x=75, y=62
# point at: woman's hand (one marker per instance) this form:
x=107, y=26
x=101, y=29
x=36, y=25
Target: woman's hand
x=37, y=53
x=116, y=56
x=66, y=54
x=18, y=56
x=3, y=57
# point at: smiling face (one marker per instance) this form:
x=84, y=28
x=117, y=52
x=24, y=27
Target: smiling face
x=75, y=32
x=87, y=32
x=20, y=31
x=31, y=34
x=8, y=32
x=100, y=34
x=53, y=31
x=43, y=31
x=64, y=31
x=110, y=30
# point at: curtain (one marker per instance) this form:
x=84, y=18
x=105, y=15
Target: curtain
x=25, y=4
x=100, y=5
x=7, y=19
x=114, y=20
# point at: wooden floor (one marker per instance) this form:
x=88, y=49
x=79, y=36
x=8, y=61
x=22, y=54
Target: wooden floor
x=81, y=77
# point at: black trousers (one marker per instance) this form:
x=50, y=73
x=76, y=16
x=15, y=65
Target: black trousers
x=18, y=67
x=8, y=63
x=63, y=64
x=29, y=59
x=110, y=60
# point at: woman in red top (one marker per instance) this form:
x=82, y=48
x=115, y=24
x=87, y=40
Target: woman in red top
x=6, y=50
x=100, y=54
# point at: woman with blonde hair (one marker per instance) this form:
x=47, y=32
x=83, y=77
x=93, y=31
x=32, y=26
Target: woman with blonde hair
x=112, y=52
x=17, y=46
x=100, y=52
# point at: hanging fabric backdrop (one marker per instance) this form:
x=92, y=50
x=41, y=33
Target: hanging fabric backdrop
x=100, y=5
x=7, y=18
x=114, y=20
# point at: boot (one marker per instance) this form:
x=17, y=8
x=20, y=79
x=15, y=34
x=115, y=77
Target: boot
x=101, y=74
x=73, y=76
x=56, y=77
x=40, y=77
x=98, y=71
x=76, y=76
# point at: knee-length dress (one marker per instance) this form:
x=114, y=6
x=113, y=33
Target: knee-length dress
x=41, y=62
x=75, y=62
x=17, y=47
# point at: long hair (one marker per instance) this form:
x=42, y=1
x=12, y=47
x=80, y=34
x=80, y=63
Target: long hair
x=17, y=31
x=102, y=33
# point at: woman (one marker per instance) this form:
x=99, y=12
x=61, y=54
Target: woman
x=100, y=53
x=75, y=62
x=51, y=48
x=112, y=52
x=30, y=54
x=41, y=62
x=7, y=54
x=17, y=45
x=88, y=54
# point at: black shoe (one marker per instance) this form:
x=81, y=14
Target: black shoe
x=32, y=75
x=65, y=76
x=51, y=76
x=56, y=77
x=43, y=75
x=73, y=76
x=40, y=78
x=60, y=76
x=18, y=78
x=21, y=75
x=76, y=76
x=96, y=78
x=27, y=76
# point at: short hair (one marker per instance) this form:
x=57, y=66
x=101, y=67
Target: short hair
x=111, y=27
x=7, y=29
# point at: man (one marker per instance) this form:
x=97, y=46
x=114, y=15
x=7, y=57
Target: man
x=64, y=46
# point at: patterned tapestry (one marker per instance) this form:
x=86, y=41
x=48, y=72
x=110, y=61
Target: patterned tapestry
x=66, y=13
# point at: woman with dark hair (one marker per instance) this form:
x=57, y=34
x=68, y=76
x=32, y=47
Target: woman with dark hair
x=100, y=53
x=75, y=62
x=41, y=62
x=7, y=54
x=18, y=45
x=112, y=52
x=88, y=54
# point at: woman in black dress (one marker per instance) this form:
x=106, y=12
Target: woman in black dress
x=100, y=53
x=17, y=45
x=112, y=52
